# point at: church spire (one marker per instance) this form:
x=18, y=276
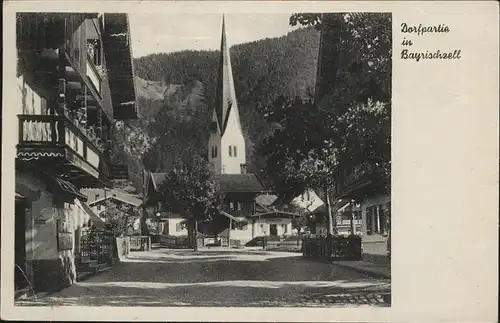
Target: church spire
x=225, y=100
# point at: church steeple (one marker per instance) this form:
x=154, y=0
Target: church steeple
x=226, y=144
x=225, y=100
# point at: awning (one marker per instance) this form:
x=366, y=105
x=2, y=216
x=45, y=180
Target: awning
x=94, y=217
x=70, y=189
x=237, y=219
x=19, y=197
x=276, y=214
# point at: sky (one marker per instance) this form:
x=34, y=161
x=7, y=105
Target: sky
x=157, y=33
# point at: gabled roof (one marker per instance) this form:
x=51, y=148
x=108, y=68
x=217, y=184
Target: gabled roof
x=158, y=179
x=266, y=199
x=94, y=217
x=234, y=183
x=240, y=183
x=132, y=199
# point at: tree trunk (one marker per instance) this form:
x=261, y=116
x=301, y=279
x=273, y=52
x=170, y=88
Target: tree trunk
x=328, y=207
x=195, y=235
x=191, y=233
x=352, y=218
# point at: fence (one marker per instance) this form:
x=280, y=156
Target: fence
x=333, y=248
x=96, y=247
x=140, y=243
x=122, y=247
x=285, y=245
x=174, y=242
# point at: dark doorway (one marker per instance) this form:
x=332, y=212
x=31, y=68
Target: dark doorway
x=273, y=229
x=20, y=279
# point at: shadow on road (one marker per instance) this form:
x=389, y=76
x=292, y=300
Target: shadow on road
x=185, y=278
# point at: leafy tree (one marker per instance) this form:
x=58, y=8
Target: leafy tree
x=191, y=190
x=297, y=154
x=119, y=218
x=315, y=140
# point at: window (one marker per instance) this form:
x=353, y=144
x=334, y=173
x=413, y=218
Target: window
x=376, y=219
x=231, y=206
x=234, y=151
x=98, y=207
x=238, y=205
x=230, y=151
x=96, y=197
x=214, y=151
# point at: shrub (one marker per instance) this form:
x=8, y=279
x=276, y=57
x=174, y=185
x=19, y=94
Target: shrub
x=334, y=247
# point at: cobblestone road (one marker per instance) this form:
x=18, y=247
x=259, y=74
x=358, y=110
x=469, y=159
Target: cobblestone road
x=164, y=277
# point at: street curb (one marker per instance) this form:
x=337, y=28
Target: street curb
x=364, y=271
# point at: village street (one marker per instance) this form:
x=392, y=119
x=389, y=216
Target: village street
x=165, y=277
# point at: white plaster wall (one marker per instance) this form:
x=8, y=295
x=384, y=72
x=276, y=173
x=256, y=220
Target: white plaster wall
x=215, y=140
x=308, y=200
x=233, y=136
x=172, y=227
x=41, y=238
x=243, y=235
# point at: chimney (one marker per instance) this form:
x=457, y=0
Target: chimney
x=243, y=168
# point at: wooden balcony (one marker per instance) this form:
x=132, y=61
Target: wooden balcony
x=57, y=144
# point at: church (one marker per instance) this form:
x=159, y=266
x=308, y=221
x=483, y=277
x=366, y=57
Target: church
x=241, y=217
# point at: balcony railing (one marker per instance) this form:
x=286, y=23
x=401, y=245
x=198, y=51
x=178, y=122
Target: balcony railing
x=57, y=136
x=93, y=74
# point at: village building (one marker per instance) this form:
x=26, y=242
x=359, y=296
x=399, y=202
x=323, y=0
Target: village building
x=369, y=190
x=74, y=80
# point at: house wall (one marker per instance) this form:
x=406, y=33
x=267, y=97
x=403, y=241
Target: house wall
x=51, y=269
x=261, y=228
x=215, y=141
x=375, y=242
x=308, y=200
x=174, y=227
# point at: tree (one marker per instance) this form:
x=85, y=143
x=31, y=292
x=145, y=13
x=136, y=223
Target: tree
x=119, y=218
x=191, y=189
x=300, y=154
x=314, y=140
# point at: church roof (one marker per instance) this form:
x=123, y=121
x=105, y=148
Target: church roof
x=225, y=99
x=237, y=183
x=240, y=183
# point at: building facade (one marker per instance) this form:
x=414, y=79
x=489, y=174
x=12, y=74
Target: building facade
x=74, y=79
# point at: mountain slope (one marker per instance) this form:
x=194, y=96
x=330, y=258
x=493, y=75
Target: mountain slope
x=177, y=92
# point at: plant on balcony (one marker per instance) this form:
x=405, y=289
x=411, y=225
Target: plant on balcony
x=92, y=46
x=101, y=70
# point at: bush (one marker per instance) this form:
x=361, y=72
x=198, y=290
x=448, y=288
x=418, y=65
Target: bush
x=333, y=248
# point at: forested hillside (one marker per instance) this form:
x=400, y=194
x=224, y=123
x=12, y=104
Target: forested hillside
x=177, y=91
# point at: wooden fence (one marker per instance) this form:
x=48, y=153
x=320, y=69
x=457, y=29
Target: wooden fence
x=333, y=248
x=140, y=243
x=122, y=247
x=174, y=242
